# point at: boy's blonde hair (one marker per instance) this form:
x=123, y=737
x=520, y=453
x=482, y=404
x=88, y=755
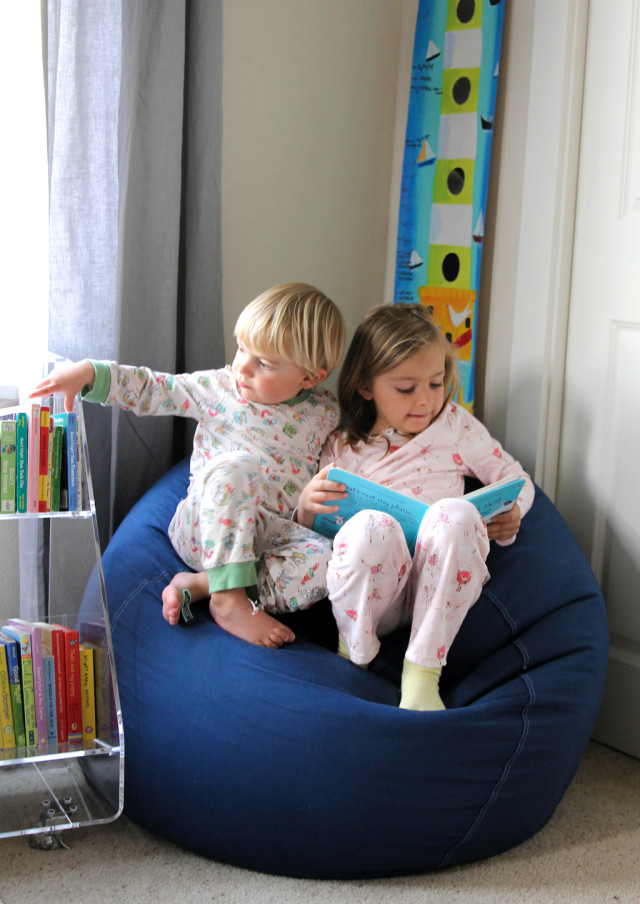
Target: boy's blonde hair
x=297, y=322
x=387, y=336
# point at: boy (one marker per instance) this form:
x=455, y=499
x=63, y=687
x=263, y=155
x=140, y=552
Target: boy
x=261, y=426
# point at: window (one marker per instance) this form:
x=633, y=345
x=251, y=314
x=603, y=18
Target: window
x=24, y=281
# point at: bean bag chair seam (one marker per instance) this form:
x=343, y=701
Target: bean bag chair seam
x=114, y=616
x=506, y=772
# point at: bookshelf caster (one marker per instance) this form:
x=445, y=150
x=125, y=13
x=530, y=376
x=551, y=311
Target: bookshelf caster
x=51, y=787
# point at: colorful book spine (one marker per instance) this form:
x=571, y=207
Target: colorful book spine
x=106, y=721
x=12, y=649
x=26, y=672
x=50, y=698
x=37, y=660
x=56, y=464
x=53, y=644
x=87, y=688
x=22, y=458
x=8, y=464
x=70, y=423
x=7, y=729
x=44, y=458
x=73, y=687
x=33, y=459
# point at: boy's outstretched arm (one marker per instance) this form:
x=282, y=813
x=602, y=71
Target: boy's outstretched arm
x=67, y=381
x=317, y=496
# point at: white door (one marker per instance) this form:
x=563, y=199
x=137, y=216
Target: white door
x=599, y=474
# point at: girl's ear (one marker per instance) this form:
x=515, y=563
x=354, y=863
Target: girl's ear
x=365, y=391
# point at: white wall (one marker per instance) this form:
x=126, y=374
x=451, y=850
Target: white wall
x=308, y=123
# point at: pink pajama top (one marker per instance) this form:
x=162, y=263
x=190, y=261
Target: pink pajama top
x=433, y=464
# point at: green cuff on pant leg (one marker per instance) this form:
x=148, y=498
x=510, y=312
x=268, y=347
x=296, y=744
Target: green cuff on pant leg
x=232, y=576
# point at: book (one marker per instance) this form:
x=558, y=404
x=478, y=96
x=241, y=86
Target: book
x=73, y=691
x=53, y=644
x=22, y=459
x=94, y=634
x=7, y=731
x=44, y=458
x=57, y=434
x=33, y=459
x=8, y=464
x=50, y=697
x=26, y=674
x=490, y=501
x=12, y=650
x=37, y=660
x=87, y=691
x=68, y=420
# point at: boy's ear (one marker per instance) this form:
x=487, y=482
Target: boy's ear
x=309, y=382
x=365, y=391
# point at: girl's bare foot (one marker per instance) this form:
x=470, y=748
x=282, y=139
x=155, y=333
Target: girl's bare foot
x=197, y=583
x=233, y=611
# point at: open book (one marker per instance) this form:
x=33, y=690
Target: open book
x=490, y=501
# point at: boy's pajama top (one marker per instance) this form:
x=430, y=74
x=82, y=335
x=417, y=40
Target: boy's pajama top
x=248, y=466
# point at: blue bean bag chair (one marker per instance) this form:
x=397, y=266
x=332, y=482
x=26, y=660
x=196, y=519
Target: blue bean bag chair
x=297, y=763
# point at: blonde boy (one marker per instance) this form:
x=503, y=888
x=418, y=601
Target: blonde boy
x=262, y=423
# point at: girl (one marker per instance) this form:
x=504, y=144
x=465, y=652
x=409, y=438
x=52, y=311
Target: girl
x=404, y=431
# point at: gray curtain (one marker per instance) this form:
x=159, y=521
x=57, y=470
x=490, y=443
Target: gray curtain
x=134, y=133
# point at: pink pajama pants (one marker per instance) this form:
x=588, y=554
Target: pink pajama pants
x=376, y=587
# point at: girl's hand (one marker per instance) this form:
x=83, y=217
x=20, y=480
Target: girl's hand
x=505, y=527
x=315, y=496
x=66, y=381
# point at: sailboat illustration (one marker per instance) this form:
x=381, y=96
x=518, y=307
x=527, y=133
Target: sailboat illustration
x=426, y=155
x=433, y=51
x=415, y=260
x=478, y=232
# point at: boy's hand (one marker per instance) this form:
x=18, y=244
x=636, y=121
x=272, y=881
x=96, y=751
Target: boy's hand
x=66, y=381
x=315, y=496
x=505, y=527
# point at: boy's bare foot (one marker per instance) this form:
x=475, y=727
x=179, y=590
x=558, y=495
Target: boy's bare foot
x=233, y=611
x=197, y=583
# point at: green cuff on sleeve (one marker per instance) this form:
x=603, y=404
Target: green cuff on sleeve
x=229, y=577
x=99, y=392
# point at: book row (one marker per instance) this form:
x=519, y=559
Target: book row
x=40, y=462
x=55, y=684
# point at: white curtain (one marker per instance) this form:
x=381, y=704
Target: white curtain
x=133, y=94
x=134, y=140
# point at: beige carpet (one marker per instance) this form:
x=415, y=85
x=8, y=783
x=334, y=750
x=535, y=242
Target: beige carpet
x=588, y=853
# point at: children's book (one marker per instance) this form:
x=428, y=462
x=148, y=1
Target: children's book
x=50, y=697
x=74, y=694
x=22, y=440
x=70, y=455
x=53, y=644
x=94, y=635
x=490, y=501
x=33, y=459
x=12, y=649
x=8, y=464
x=44, y=457
x=37, y=660
x=87, y=688
x=7, y=730
x=26, y=674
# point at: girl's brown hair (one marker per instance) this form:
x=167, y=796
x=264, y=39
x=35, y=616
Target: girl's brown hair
x=387, y=336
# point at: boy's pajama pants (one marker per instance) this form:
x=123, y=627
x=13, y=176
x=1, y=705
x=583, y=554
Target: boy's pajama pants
x=375, y=586
x=223, y=521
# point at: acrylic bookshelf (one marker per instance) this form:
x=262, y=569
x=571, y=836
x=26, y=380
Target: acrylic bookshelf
x=52, y=787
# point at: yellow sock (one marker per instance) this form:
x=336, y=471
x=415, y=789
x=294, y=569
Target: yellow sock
x=343, y=650
x=419, y=688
